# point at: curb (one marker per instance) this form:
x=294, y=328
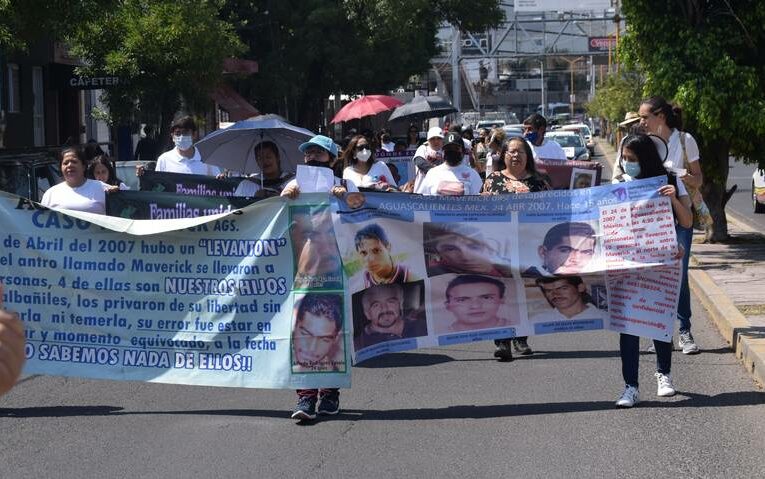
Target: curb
x=746, y=341
x=733, y=325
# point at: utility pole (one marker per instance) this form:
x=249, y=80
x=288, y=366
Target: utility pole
x=572, y=97
x=456, y=53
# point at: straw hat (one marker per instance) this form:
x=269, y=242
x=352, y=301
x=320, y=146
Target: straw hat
x=629, y=118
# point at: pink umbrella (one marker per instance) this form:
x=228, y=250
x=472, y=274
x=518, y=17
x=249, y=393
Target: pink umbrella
x=365, y=106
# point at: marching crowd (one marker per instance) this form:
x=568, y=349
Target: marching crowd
x=453, y=162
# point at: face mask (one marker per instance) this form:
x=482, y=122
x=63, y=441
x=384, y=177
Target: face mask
x=632, y=168
x=531, y=136
x=363, y=155
x=182, y=142
x=453, y=158
x=318, y=163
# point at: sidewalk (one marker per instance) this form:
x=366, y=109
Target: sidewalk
x=729, y=280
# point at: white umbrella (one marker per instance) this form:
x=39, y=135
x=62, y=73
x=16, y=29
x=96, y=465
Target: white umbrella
x=233, y=148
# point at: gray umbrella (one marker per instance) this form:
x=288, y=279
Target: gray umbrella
x=423, y=107
x=232, y=147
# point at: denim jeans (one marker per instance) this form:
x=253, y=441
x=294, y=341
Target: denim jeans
x=684, y=238
x=629, y=348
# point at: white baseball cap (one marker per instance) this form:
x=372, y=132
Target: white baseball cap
x=435, y=132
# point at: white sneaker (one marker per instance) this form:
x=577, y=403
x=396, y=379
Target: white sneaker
x=629, y=398
x=686, y=342
x=665, y=387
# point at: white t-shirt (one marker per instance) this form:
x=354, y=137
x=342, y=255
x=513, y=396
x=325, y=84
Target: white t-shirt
x=90, y=197
x=590, y=312
x=349, y=185
x=675, y=149
x=423, y=151
x=378, y=173
x=390, y=146
x=173, y=162
x=445, y=173
x=246, y=188
x=548, y=150
x=490, y=158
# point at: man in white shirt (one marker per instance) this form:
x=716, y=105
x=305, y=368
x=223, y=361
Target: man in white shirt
x=534, y=128
x=453, y=177
x=184, y=158
x=428, y=155
x=569, y=299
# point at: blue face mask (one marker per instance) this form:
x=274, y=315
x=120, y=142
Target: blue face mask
x=632, y=168
x=531, y=136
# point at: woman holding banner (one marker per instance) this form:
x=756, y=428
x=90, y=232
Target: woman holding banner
x=514, y=172
x=362, y=168
x=640, y=159
x=665, y=120
x=77, y=192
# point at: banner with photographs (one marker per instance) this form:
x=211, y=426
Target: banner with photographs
x=252, y=298
x=431, y=271
x=400, y=164
x=570, y=175
x=185, y=184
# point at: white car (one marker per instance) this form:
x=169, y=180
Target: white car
x=584, y=130
x=758, y=190
x=572, y=144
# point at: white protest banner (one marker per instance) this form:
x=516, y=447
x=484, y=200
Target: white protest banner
x=429, y=271
x=206, y=301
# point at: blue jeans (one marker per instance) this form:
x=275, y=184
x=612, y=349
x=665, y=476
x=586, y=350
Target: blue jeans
x=684, y=238
x=629, y=348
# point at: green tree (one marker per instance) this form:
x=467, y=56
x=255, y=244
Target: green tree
x=707, y=56
x=164, y=53
x=308, y=49
x=24, y=21
x=615, y=96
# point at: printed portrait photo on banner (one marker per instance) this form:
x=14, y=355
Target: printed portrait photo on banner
x=565, y=248
x=317, y=260
x=480, y=248
x=388, y=312
x=381, y=252
x=317, y=333
x=564, y=298
x=581, y=178
x=472, y=302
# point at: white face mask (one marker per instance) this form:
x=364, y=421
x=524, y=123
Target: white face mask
x=363, y=155
x=183, y=142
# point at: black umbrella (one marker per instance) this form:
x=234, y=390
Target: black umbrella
x=423, y=107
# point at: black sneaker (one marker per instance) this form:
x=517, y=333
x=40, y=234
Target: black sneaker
x=522, y=347
x=504, y=352
x=305, y=409
x=329, y=404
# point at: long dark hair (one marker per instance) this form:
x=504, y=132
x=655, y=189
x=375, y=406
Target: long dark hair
x=106, y=162
x=673, y=114
x=531, y=167
x=349, y=154
x=648, y=157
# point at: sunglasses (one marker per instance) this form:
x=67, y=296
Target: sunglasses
x=362, y=147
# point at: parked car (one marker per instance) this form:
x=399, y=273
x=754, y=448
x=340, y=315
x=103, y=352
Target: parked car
x=29, y=173
x=758, y=190
x=489, y=124
x=584, y=130
x=572, y=144
x=513, y=130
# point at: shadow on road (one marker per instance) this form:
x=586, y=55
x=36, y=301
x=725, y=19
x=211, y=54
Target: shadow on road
x=692, y=400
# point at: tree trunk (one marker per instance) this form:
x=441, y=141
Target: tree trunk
x=715, y=166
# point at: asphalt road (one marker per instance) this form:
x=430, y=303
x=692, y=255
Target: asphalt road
x=446, y=412
x=740, y=203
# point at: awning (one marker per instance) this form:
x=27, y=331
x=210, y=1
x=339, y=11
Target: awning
x=236, y=106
